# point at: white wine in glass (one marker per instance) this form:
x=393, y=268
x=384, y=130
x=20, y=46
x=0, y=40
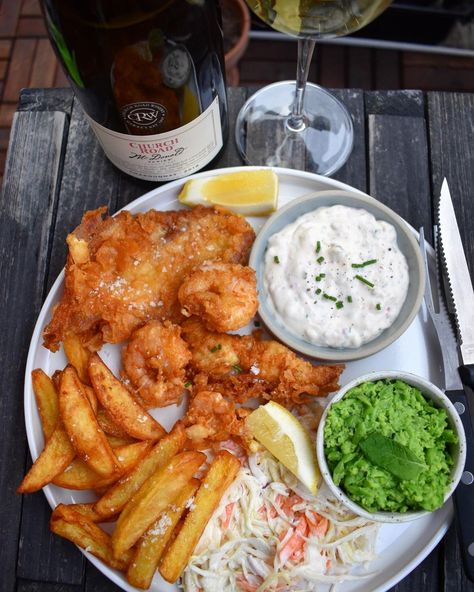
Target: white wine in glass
x=297, y=124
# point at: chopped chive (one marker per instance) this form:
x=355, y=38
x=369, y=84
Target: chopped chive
x=329, y=297
x=378, y=306
x=320, y=259
x=237, y=368
x=276, y=259
x=215, y=348
x=349, y=298
x=364, y=263
x=339, y=304
x=318, y=246
x=318, y=291
x=188, y=384
x=319, y=277
x=364, y=281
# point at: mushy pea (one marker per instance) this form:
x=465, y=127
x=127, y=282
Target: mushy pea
x=388, y=447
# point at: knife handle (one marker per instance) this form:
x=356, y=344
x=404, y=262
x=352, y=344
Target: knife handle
x=466, y=372
x=464, y=493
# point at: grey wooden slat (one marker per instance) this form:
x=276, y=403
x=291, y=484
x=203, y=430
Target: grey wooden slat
x=354, y=172
x=399, y=170
x=130, y=188
x=46, y=99
x=454, y=578
x=451, y=132
x=26, y=213
x=95, y=581
x=451, y=117
x=88, y=181
x=410, y=103
x=31, y=586
x=43, y=556
x=426, y=577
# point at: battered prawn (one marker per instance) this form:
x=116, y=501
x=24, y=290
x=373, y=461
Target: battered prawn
x=223, y=295
x=154, y=360
x=211, y=416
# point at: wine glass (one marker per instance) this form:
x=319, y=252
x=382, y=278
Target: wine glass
x=297, y=124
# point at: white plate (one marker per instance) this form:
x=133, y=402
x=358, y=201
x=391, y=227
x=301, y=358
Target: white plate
x=400, y=547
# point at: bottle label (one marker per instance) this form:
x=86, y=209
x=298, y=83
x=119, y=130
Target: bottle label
x=143, y=115
x=167, y=156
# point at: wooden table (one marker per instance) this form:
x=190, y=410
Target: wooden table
x=405, y=143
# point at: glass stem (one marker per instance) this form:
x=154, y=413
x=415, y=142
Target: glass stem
x=295, y=121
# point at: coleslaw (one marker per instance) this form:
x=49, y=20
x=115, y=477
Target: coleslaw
x=270, y=533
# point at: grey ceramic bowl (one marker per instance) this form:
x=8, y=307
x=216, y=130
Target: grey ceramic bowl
x=406, y=241
x=430, y=391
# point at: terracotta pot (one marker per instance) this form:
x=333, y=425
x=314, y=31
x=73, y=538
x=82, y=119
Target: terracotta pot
x=236, y=24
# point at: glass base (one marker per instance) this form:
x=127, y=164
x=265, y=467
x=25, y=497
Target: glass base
x=264, y=137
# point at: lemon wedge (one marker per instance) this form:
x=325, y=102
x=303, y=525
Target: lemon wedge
x=284, y=436
x=249, y=193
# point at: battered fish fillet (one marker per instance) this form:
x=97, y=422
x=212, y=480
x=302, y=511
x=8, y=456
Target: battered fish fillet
x=125, y=270
x=247, y=367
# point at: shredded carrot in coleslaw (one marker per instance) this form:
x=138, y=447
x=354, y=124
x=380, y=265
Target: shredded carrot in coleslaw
x=270, y=534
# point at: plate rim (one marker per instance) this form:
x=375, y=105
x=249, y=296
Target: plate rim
x=28, y=396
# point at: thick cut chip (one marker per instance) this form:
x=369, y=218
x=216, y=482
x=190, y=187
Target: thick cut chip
x=159, y=491
x=87, y=535
x=121, y=405
x=151, y=546
x=81, y=425
x=221, y=473
x=116, y=441
x=80, y=475
x=47, y=401
x=69, y=512
x=77, y=355
x=108, y=424
x=118, y=495
x=56, y=456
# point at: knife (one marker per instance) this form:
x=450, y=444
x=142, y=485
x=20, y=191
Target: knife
x=458, y=357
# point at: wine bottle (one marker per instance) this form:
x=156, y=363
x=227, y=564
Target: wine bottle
x=150, y=77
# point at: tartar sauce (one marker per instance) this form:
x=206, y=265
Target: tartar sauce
x=335, y=277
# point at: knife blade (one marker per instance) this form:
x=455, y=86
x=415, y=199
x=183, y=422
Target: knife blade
x=455, y=272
